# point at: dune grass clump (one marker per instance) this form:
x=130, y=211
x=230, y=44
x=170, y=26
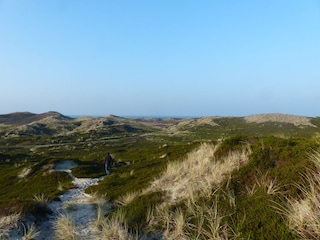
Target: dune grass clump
x=114, y=228
x=175, y=224
x=127, y=198
x=65, y=229
x=271, y=185
x=8, y=222
x=200, y=219
x=30, y=232
x=39, y=205
x=303, y=213
x=102, y=207
x=41, y=200
x=199, y=171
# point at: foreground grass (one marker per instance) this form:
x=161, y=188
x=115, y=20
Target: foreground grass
x=237, y=184
x=199, y=171
x=303, y=213
x=65, y=228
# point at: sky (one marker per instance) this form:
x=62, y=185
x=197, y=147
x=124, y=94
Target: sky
x=160, y=57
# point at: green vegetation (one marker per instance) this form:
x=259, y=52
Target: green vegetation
x=16, y=193
x=216, y=178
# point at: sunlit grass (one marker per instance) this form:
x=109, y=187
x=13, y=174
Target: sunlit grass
x=64, y=228
x=116, y=228
x=199, y=171
x=303, y=214
x=40, y=203
x=127, y=198
x=199, y=176
x=193, y=221
x=8, y=222
x=30, y=232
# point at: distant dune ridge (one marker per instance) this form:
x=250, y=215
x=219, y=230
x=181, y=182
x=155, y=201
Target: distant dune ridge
x=54, y=123
x=22, y=118
x=279, y=117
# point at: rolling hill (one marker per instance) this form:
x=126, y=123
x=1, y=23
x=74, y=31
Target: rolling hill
x=53, y=123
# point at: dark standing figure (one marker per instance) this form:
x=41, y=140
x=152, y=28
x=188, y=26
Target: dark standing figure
x=108, y=162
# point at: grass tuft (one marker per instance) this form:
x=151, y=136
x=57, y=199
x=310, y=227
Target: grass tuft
x=65, y=228
x=116, y=228
x=30, y=232
x=126, y=199
x=40, y=205
x=7, y=223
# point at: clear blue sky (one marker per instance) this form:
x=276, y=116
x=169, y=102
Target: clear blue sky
x=161, y=57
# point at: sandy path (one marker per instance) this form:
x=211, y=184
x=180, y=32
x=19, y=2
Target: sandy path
x=75, y=203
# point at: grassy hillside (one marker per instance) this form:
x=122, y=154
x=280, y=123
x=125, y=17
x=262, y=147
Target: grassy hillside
x=205, y=178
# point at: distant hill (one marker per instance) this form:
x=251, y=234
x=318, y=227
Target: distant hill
x=22, y=118
x=280, y=118
x=53, y=123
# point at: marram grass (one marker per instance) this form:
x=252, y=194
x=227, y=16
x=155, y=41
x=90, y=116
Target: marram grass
x=65, y=228
x=199, y=171
x=303, y=214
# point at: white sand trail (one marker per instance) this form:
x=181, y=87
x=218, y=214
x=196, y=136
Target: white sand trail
x=75, y=203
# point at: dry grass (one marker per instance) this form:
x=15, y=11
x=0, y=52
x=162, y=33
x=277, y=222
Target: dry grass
x=127, y=198
x=271, y=186
x=7, y=223
x=41, y=199
x=251, y=189
x=102, y=207
x=30, y=232
x=41, y=204
x=200, y=174
x=177, y=224
x=215, y=228
x=100, y=217
x=200, y=171
x=116, y=229
x=304, y=213
x=98, y=199
x=65, y=228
